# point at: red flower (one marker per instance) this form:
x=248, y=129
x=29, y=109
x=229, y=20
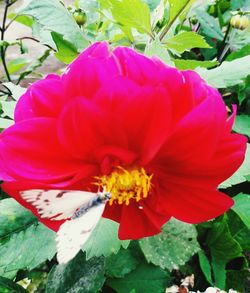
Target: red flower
x=157, y=138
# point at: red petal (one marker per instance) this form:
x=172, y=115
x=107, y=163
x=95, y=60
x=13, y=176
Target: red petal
x=136, y=223
x=196, y=136
x=94, y=67
x=44, y=98
x=30, y=150
x=192, y=205
x=143, y=112
x=86, y=131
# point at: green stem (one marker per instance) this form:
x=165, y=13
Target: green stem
x=224, y=46
x=3, y=50
x=168, y=26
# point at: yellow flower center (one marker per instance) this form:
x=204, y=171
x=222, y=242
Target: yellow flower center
x=124, y=185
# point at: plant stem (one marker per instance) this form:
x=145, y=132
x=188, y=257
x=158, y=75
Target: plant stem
x=3, y=29
x=168, y=26
x=224, y=46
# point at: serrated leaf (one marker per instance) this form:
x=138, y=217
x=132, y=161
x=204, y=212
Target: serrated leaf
x=210, y=25
x=24, y=243
x=242, y=124
x=78, y=275
x=53, y=16
x=104, y=240
x=144, y=279
x=26, y=248
x=192, y=64
x=228, y=73
x=120, y=264
x=66, y=52
x=132, y=14
x=242, y=208
x=241, y=175
x=185, y=41
x=155, y=48
x=222, y=245
x=172, y=247
x=8, y=286
x=223, y=248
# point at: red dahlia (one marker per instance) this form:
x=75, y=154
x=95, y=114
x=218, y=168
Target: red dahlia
x=158, y=139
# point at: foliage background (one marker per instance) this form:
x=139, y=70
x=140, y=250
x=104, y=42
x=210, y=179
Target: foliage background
x=187, y=34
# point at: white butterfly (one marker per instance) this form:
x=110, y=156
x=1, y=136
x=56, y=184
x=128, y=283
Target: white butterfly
x=81, y=210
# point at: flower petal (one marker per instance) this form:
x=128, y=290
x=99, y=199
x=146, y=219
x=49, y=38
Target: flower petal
x=146, y=129
x=196, y=136
x=92, y=68
x=87, y=132
x=35, y=153
x=136, y=223
x=192, y=205
x=44, y=98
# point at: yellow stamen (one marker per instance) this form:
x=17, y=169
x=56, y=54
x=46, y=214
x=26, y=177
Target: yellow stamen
x=125, y=185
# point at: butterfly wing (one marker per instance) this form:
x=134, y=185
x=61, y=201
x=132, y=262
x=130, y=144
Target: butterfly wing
x=57, y=204
x=74, y=233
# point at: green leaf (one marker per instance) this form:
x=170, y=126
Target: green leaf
x=91, y=8
x=144, y=279
x=23, y=19
x=244, y=51
x=4, y=123
x=177, y=8
x=210, y=25
x=24, y=244
x=16, y=90
x=66, y=52
x=239, y=231
x=8, y=286
x=120, y=264
x=34, y=65
x=104, y=240
x=53, y=16
x=185, y=41
x=222, y=245
x=223, y=248
x=78, y=275
x=228, y=73
x=219, y=269
x=173, y=247
x=26, y=248
x=192, y=64
x=17, y=64
x=14, y=217
x=242, y=174
x=242, y=208
x=155, y=48
x=8, y=108
x=132, y=14
x=242, y=124
x=158, y=13
x=205, y=266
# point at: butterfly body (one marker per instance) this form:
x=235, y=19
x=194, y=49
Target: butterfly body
x=81, y=210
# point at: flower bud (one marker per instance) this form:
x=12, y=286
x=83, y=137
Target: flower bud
x=239, y=22
x=80, y=17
